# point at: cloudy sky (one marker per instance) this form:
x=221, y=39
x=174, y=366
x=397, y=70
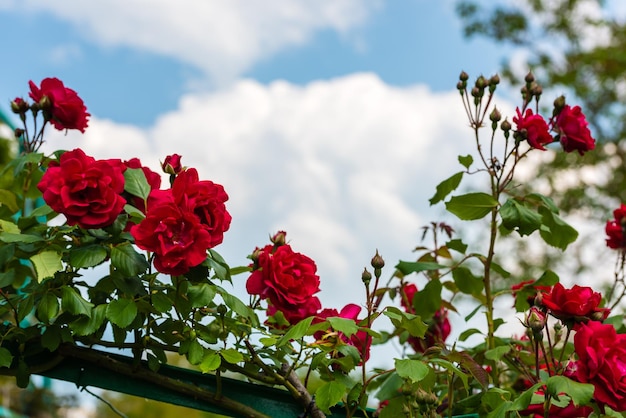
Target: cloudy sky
x=330, y=119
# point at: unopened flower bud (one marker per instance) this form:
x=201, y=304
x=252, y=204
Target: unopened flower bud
x=45, y=103
x=19, y=132
x=505, y=125
x=279, y=238
x=559, y=104
x=495, y=115
x=529, y=77
x=535, y=319
x=538, y=299
x=19, y=106
x=172, y=164
x=494, y=80
x=366, y=276
x=222, y=309
x=255, y=256
x=463, y=76
x=476, y=92
x=536, y=90
x=377, y=261
x=597, y=316
x=481, y=83
x=460, y=86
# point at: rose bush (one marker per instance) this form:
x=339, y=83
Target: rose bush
x=166, y=288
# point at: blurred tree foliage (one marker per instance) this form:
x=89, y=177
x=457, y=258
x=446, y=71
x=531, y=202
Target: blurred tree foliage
x=576, y=48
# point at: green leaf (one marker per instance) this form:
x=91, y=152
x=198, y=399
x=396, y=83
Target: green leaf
x=195, y=353
x=89, y=256
x=344, y=325
x=413, y=370
x=520, y=218
x=555, y=231
x=8, y=227
x=161, y=302
x=128, y=261
x=466, y=282
x=471, y=206
x=231, y=355
x=446, y=187
x=8, y=199
x=20, y=238
x=135, y=183
x=497, y=353
x=201, y=295
x=74, y=303
x=295, y=332
x=581, y=393
x=457, y=245
x=408, y=267
x=6, y=358
x=210, y=362
x=122, y=312
x=466, y=161
x=87, y=326
x=219, y=265
x=428, y=300
x=468, y=333
x=47, y=308
x=46, y=263
x=394, y=409
x=328, y=395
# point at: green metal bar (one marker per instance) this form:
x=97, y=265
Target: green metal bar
x=4, y=119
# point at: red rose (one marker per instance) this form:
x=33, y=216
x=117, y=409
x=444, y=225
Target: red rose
x=66, y=109
x=288, y=279
x=601, y=361
x=579, y=303
x=172, y=164
x=174, y=235
x=206, y=200
x=533, y=128
x=361, y=340
x=85, y=190
x=572, y=127
x=570, y=411
x=439, y=327
x=615, y=229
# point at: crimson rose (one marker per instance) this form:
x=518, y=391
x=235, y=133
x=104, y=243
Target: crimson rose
x=579, y=303
x=63, y=107
x=602, y=362
x=360, y=340
x=574, y=133
x=87, y=191
x=174, y=235
x=172, y=164
x=533, y=128
x=615, y=229
x=288, y=279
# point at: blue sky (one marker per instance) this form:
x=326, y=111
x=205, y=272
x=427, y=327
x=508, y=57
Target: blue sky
x=403, y=42
x=332, y=119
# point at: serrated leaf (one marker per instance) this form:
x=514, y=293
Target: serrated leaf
x=135, y=183
x=6, y=358
x=471, y=206
x=161, y=302
x=231, y=355
x=581, y=393
x=48, y=307
x=328, y=395
x=74, y=303
x=518, y=217
x=86, y=326
x=555, y=231
x=296, y=331
x=201, y=295
x=89, y=256
x=195, y=352
x=122, y=312
x=46, y=263
x=344, y=325
x=413, y=370
x=20, y=238
x=210, y=362
x=497, y=353
x=128, y=261
x=428, y=300
x=466, y=282
x=8, y=199
x=408, y=267
x=8, y=227
x=446, y=187
x=457, y=245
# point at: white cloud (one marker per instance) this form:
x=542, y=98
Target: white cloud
x=346, y=166
x=221, y=38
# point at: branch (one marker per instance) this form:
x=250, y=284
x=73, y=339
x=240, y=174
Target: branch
x=305, y=399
